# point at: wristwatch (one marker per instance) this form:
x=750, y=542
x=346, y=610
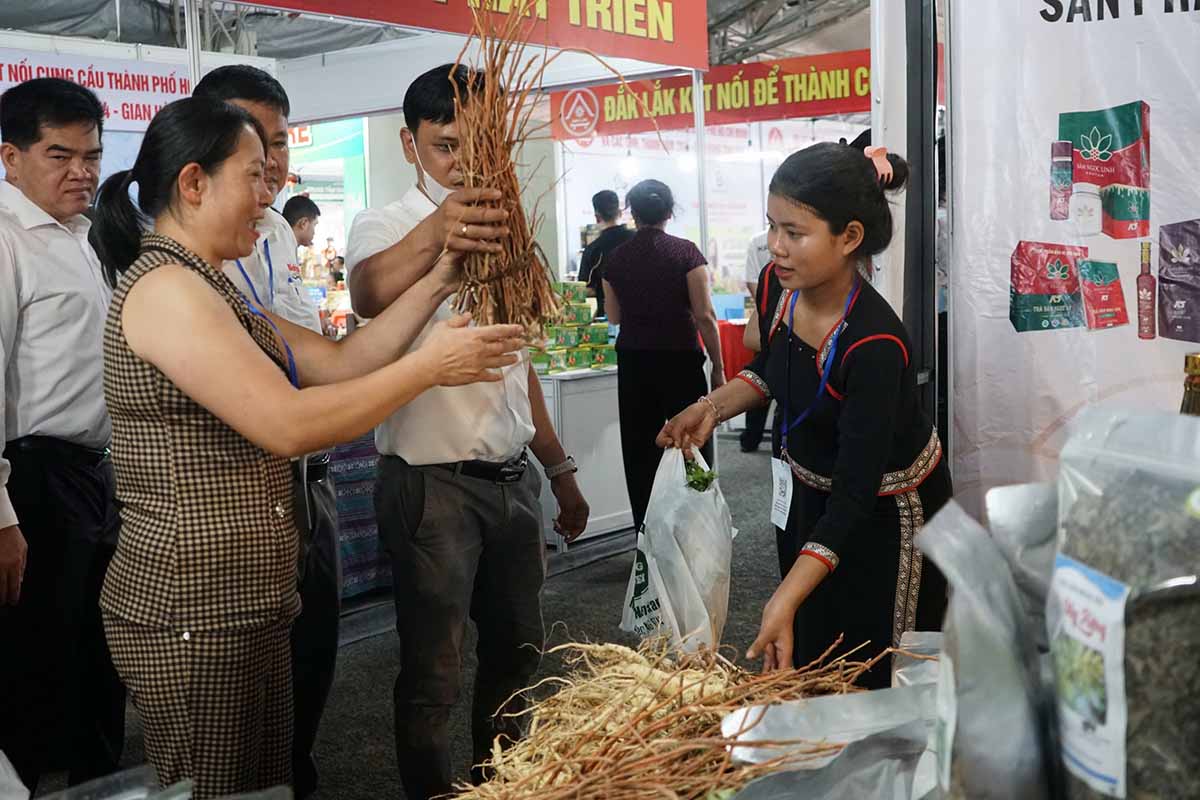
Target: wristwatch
x=568, y=466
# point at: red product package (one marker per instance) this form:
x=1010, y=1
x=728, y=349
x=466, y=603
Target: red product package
x=1044, y=288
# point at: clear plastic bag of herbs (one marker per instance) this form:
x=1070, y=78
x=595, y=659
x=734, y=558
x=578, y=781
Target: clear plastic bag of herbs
x=1128, y=681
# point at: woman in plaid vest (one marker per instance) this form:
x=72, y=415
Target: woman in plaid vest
x=202, y=591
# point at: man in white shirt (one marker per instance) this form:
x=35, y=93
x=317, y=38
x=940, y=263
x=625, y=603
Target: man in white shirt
x=271, y=276
x=758, y=255
x=61, y=702
x=457, y=500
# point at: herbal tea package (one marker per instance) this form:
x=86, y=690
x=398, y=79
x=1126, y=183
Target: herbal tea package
x=1112, y=152
x=1103, y=300
x=1123, y=615
x=1179, y=281
x=1044, y=287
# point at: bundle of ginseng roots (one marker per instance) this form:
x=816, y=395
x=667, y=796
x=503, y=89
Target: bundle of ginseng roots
x=627, y=724
x=495, y=120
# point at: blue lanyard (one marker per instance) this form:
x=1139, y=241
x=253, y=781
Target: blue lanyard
x=293, y=377
x=270, y=277
x=790, y=425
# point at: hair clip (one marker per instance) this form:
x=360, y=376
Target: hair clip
x=879, y=157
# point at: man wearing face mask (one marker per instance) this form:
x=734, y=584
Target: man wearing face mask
x=457, y=499
x=272, y=278
x=61, y=702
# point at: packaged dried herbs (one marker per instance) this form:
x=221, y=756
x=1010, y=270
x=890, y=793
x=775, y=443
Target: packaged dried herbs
x=1123, y=615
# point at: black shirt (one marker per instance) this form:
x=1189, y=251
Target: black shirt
x=591, y=266
x=867, y=423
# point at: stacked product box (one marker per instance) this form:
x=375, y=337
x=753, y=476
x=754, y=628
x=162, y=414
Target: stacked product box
x=575, y=342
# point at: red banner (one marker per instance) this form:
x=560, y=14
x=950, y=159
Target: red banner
x=672, y=32
x=797, y=88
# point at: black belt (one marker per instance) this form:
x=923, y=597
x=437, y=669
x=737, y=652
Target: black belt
x=48, y=446
x=506, y=472
x=318, y=468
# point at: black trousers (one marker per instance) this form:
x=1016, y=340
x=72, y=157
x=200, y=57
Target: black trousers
x=653, y=386
x=460, y=548
x=756, y=425
x=314, y=637
x=62, y=705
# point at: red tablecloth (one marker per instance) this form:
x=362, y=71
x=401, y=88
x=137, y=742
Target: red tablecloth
x=734, y=354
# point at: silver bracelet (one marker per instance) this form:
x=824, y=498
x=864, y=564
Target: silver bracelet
x=712, y=405
x=568, y=466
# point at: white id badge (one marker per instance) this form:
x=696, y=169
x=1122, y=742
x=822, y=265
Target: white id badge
x=781, y=496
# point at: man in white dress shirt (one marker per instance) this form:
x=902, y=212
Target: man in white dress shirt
x=61, y=702
x=457, y=500
x=271, y=276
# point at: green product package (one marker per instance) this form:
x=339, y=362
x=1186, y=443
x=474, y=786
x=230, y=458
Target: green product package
x=577, y=314
x=595, y=334
x=572, y=291
x=603, y=357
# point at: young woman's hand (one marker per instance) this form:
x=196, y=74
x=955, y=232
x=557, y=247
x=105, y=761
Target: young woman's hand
x=459, y=355
x=690, y=428
x=776, y=639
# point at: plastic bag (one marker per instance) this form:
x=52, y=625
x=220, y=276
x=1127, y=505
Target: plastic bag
x=992, y=727
x=11, y=787
x=882, y=766
x=1023, y=521
x=680, y=578
x=1123, y=616
x=908, y=668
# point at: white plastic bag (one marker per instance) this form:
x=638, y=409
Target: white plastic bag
x=11, y=787
x=680, y=580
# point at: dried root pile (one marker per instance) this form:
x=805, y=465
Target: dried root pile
x=626, y=724
x=495, y=120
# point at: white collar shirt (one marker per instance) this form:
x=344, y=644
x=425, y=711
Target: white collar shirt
x=758, y=255
x=485, y=421
x=53, y=307
x=272, y=274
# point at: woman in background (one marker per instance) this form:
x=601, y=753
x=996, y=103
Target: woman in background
x=200, y=596
x=656, y=288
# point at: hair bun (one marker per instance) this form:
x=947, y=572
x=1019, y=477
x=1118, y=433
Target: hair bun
x=900, y=174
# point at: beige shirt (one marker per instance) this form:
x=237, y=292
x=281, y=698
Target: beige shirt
x=485, y=421
x=276, y=280
x=53, y=303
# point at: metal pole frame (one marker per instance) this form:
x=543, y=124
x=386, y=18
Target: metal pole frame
x=920, y=273
x=191, y=26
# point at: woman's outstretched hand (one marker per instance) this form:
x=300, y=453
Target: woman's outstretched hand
x=689, y=429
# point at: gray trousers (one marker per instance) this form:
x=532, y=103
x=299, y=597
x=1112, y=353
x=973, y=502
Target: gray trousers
x=460, y=547
x=315, y=632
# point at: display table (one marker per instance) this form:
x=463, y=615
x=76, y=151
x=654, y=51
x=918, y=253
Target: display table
x=583, y=409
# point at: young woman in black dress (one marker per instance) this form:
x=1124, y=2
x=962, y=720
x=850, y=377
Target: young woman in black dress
x=862, y=462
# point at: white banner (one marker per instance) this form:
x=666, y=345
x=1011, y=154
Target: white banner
x=132, y=91
x=1075, y=266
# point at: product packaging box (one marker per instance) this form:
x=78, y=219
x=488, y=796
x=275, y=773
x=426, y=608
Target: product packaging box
x=1179, y=281
x=1112, y=151
x=1044, y=287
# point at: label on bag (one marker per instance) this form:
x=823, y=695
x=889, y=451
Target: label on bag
x=1086, y=617
x=781, y=496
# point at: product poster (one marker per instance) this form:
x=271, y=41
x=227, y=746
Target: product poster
x=1075, y=244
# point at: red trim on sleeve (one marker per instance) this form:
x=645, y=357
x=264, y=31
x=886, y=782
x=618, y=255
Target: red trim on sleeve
x=751, y=384
x=834, y=392
x=828, y=564
x=877, y=337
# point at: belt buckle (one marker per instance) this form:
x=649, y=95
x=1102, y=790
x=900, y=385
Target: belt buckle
x=513, y=471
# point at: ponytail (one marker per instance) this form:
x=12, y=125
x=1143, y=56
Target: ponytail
x=195, y=130
x=117, y=228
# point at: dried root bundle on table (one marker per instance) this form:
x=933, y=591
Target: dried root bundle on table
x=630, y=724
